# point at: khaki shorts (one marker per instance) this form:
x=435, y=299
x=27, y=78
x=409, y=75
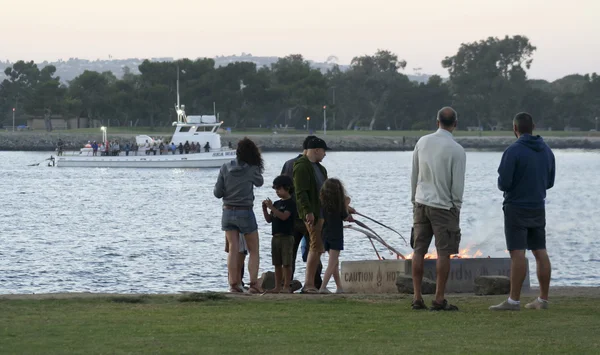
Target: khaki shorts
x=282, y=250
x=430, y=221
x=315, y=236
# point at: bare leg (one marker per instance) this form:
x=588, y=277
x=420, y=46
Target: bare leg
x=518, y=271
x=336, y=278
x=333, y=262
x=278, y=279
x=544, y=271
x=233, y=256
x=253, y=249
x=287, y=277
x=442, y=270
x=417, y=275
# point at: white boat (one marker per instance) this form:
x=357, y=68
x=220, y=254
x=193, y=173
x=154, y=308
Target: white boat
x=201, y=130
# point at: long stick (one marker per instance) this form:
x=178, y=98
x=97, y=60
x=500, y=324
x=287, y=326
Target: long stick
x=383, y=225
x=374, y=235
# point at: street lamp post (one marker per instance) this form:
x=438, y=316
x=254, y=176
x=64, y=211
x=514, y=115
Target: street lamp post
x=307, y=124
x=325, y=120
x=14, y=109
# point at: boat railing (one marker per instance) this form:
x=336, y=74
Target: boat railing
x=142, y=151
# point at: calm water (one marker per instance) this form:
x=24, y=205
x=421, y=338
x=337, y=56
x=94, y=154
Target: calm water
x=157, y=231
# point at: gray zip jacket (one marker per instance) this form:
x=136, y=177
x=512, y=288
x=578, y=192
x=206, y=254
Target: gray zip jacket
x=235, y=184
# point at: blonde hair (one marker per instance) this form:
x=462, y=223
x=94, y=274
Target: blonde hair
x=333, y=196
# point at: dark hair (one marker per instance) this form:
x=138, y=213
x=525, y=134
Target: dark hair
x=524, y=123
x=333, y=196
x=248, y=152
x=447, y=116
x=285, y=182
x=306, y=140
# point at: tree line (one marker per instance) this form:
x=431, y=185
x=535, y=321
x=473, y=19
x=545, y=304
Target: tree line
x=487, y=85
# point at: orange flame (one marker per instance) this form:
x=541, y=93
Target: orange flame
x=462, y=254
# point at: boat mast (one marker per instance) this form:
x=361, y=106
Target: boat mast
x=180, y=110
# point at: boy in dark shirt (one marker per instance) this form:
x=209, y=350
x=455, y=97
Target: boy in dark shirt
x=282, y=219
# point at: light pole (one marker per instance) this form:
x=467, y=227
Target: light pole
x=307, y=124
x=14, y=109
x=325, y=120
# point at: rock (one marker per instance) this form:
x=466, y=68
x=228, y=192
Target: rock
x=492, y=285
x=405, y=285
x=267, y=280
x=295, y=285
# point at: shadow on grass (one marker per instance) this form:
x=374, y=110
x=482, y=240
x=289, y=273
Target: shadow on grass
x=129, y=299
x=202, y=297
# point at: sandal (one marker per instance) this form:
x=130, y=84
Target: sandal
x=443, y=306
x=310, y=291
x=418, y=304
x=254, y=288
x=236, y=289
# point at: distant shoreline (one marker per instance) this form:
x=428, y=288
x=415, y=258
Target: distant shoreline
x=44, y=141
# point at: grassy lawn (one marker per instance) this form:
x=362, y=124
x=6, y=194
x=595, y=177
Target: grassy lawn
x=296, y=325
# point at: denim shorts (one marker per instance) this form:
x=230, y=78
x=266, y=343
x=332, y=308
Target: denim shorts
x=243, y=221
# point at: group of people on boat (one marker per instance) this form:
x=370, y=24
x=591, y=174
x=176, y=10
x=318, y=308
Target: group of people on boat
x=311, y=205
x=115, y=148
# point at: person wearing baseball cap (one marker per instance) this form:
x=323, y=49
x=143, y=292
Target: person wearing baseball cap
x=309, y=176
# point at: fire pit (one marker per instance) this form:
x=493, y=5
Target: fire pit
x=379, y=276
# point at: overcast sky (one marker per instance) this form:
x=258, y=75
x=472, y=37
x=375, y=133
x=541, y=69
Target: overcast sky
x=423, y=32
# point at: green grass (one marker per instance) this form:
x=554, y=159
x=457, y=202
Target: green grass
x=322, y=325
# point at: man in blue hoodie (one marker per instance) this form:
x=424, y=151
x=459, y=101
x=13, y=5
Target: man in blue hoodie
x=526, y=171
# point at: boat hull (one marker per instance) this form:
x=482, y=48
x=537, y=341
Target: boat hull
x=198, y=160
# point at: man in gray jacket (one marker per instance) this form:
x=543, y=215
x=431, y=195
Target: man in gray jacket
x=437, y=185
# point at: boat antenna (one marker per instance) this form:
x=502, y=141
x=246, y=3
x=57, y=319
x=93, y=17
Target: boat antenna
x=177, y=85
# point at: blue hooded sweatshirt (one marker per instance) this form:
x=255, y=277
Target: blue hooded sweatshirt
x=526, y=171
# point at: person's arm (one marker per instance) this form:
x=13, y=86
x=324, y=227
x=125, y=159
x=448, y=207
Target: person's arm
x=415, y=174
x=257, y=178
x=552, y=173
x=506, y=171
x=302, y=187
x=219, y=190
x=282, y=215
x=266, y=214
x=458, y=179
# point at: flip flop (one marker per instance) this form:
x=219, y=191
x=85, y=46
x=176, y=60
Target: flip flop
x=310, y=291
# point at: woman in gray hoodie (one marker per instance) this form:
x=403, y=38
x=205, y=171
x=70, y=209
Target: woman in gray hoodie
x=235, y=185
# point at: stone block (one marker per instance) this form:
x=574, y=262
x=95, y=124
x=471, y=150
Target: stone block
x=404, y=283
x=379, y=276
x=267, y=280
x=492, y=285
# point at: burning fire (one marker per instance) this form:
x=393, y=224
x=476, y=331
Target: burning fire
x=463, y=254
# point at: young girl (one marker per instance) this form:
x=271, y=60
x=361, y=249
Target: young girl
x=335, y=210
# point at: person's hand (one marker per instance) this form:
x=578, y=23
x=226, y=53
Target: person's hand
x=269, y=203
x=351, y=210
x=310, y=219
x=349, y=218
x=264, y=205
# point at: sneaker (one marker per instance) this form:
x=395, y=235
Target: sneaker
x=443, y=306
x=505, y=306
x=537, y=304
x=418, y=304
